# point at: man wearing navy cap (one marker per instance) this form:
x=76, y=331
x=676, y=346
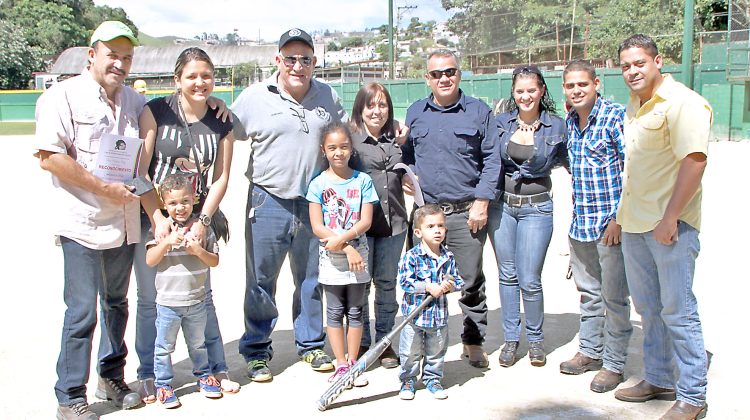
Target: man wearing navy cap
x=98, y=223
x=283, y=116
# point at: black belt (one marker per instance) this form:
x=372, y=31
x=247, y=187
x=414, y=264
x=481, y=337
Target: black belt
x=514, y=200
x=450, y=208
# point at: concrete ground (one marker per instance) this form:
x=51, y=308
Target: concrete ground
x=33, y=311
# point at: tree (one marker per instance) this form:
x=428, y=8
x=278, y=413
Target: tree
x=356, y=41
x=231, y=38
x=50, y=26
x=18, y=59
x=332, y=46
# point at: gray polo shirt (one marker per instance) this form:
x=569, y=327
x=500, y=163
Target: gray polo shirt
x=285, y=134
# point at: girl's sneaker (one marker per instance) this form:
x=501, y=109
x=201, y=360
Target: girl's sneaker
x=360, y=380
x=340, y=371
x=209, y=387
x=166, y=397
x=228, y=386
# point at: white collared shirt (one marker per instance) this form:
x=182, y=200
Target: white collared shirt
x=71, y=118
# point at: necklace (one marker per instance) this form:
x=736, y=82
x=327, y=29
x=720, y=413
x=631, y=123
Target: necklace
x=528, y=127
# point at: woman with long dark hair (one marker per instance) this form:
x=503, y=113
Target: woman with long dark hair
x=376, y=152
x=532, y=142
x=169, y=148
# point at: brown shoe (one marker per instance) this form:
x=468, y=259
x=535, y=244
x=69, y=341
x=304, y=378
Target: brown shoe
x=606, y=380
x=389, y=358
x=579, y=364
x=477, y=356
x=643, y=392
x=684, y=411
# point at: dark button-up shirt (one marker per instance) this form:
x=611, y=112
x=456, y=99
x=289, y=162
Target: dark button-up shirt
x=549, y=146
x=454, y=150
x=377, y=157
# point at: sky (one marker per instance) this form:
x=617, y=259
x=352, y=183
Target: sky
x=187, y=18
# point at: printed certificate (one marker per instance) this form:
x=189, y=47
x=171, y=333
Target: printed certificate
x=118, y=157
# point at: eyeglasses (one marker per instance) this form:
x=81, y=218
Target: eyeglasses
x=437, y=74
x=302, y=122
x=527, y=69
x=291, y=60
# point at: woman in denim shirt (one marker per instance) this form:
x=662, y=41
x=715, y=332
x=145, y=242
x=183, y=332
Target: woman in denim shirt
x=532, y=142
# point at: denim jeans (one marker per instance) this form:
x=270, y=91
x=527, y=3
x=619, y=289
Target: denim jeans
x=278, y=228
x=145, y=318
x=520, y=237
x=599, y=274
x=416, y=343
x=168, y=321
x=660, y=278
x=89, y=273
x=385, y=254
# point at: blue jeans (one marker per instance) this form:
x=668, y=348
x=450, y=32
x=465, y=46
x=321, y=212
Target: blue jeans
x=520, y=237
x=168, y=322
x=660, y=278
x=385, y=254
x=599, y=274
x=278, y=228
x=145, y=318
x=417, y=343
x=89, y=273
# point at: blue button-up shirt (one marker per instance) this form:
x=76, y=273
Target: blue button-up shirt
x=453, y=150
x=416, y=269
x=549, y=146
x=596, y=164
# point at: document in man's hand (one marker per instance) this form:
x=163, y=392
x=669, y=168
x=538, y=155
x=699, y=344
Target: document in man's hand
x=118, y=157
x=418, y=198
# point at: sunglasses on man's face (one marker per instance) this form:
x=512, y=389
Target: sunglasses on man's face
x=437, y=74
x=291, y=60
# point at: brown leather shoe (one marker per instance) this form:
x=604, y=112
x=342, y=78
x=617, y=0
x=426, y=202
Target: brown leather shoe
x=643, y=392
x=684, y=411
x=389, y=358
x=579, y=364
x=606, y=380
x=477, y=356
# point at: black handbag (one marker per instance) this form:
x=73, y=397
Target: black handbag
x=219, y=222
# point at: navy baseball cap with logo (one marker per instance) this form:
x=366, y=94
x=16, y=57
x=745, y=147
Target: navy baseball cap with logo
x=295, y=34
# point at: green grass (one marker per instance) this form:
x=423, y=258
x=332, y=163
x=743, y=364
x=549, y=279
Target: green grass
x=17, y=128
x=150, y=41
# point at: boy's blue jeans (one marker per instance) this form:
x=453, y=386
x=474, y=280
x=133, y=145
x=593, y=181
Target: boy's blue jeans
x=417, y=343
x=168, y=322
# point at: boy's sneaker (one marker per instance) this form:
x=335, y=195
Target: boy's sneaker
x=341, y=370
x=228, y=386
x=437, y=391
x=318, y=360
x=166, y=397
x=117, y=391
x=407, y=391
x=258, y=371
x=360, y=380
x=210, y=387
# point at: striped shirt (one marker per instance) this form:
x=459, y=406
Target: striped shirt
x=417, y=267
x=596, y=156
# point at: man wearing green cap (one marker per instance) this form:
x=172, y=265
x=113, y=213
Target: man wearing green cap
x=97, y=223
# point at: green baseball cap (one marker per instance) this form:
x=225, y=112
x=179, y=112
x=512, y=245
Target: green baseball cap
x=110, y=30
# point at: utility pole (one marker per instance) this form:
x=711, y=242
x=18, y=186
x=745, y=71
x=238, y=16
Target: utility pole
x=572, y=27
x=391, y=47
x=400, y=10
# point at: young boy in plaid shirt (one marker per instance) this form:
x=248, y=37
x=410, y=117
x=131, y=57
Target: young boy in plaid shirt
x=427, y=268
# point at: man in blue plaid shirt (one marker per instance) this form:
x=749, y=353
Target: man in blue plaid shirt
x=595, y=151
x=427, y=268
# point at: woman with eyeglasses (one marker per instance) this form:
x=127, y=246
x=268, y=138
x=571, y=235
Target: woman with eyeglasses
x=532, y=142
x=168, y=149
x=376, y=152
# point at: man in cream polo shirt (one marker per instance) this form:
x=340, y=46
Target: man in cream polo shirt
x=667, y=128
x=97, y=223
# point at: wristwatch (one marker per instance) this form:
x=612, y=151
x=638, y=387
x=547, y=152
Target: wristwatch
x=204, y=219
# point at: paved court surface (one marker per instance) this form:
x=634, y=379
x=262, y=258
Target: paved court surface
x=33, y=309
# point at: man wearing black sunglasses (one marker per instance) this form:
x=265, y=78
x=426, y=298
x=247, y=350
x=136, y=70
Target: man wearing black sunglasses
x=283, y=116
x=453, y=147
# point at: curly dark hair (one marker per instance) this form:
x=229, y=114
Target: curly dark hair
x=522, y=72
x=175, y=182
